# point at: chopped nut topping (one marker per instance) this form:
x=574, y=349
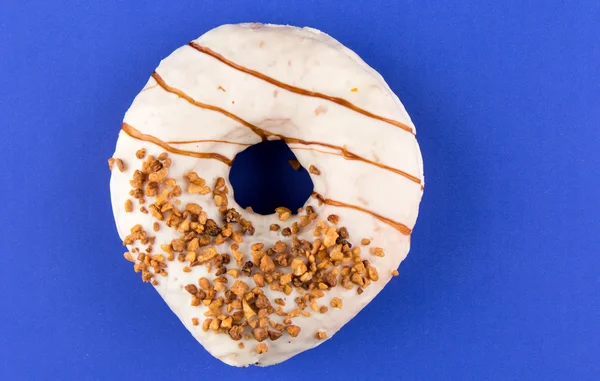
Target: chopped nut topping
x=128, y=206
x=321, y=335
x=312, y=169
x=334, y=219
x=378, y=251
x=284, y=213
x=293, y=330
x=120, y=165
x=266, y=264
x=259, y=279
x=236, y=332
x=192, y=289
x=310, y=267
x=336, y=303
x=239, y=288
x=365, y=241
x=260, y=333
x=395, y=273
x=262, y=348
x=128, y=256
x=141, y=153
x=295, y=164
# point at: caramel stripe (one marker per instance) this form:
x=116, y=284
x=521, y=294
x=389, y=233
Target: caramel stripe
x=351, y=156
x=207, y=141
x=396, y=225
x=131, y=131
x=298, y=90
x=194, y=102
x=264, y=134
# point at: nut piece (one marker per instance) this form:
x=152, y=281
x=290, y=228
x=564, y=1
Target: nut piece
x=395, y=273
x=321, y=335
x=236, y=332
x=378, y=251
x=293, y=330
x=128, y=206
x=266, y=264
x=120, y=165
x=262, y=348
x=195, y=321
x=239, y=288
x=298, y=266
x=333, y=218
x=284, y=213
x=314, y=170
x=260, y=333
x=336, y=302
x=365, y=241
x=141, y=153
x=274, y=227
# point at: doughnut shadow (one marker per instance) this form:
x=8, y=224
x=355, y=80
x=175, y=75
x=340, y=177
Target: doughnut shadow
x=263, y=178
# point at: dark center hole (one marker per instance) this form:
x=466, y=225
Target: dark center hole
x=264, y=178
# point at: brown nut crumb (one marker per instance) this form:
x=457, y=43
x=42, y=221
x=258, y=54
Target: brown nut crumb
x=334, y=219
x=120, y=165
x=241, y=345
x=206, y=324
x=286, y=232
x=186, y=269
x=314, y=170
x=365, y=241
x=293, y=330
x=280, y=247
x=336, y=302
x=155, y=226
x=128, y=206
x=141, y=153
x=321, y=335
x=295, y=164
x=111, y=163
x=378, y=251
x=266, y=264
x=274, y=227
x=260, y=333
x=262, y=348
x=192, y=289
x=372, y=272
x=204, y=283
x=236, y=332
x=239, y=288
x=274, y=335
x=195, y=321
x=395, y=273
x=129, y=257
x=259, y=279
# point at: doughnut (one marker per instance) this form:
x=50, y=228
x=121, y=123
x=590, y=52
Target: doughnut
x=258, y=289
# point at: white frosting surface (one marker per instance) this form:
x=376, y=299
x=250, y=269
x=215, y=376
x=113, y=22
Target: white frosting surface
x=311, y=60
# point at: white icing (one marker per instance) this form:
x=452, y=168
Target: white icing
x=304, y=58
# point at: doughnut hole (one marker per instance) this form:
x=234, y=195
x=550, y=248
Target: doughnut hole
x=263, y=177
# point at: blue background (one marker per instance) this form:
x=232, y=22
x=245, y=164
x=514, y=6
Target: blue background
x=503, y=280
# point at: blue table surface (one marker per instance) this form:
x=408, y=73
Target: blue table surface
x=503, y=280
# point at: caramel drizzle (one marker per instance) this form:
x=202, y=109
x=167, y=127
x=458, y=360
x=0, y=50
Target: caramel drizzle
x=263, y=134
x=134, y=133
x=298, y=90
x=207, y=141
x=194, y=102
x=396, y=225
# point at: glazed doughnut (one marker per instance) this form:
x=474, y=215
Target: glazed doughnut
x=259, y=289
